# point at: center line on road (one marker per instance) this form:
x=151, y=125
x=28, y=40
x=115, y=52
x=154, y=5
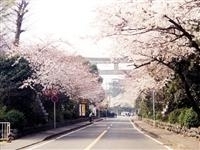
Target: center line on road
x=96, y=140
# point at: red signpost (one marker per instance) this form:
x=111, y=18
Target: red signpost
x=53, y=95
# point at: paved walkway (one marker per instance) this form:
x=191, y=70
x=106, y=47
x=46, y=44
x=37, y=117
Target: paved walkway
x=173, y=140
x=41, y=136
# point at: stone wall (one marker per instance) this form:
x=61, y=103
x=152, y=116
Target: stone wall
x=176, y=128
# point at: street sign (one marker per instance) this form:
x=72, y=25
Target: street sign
x=52, y=94
x=54, y=98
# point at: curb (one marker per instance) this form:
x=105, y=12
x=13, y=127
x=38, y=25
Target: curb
x=63, y=132
x=148, y=132
x=69, y=130
x=54, y=135
x=153, y=136
x=165, y=141
x=59, y=133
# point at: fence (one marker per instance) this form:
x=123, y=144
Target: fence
x=4, y=130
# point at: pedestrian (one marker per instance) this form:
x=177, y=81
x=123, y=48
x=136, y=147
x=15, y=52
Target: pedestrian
x=90, y=116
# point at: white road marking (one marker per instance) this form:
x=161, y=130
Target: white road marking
x=150, y=136
x=39, y=145
x=96, y=140
x=44, y=143
x=72, y=132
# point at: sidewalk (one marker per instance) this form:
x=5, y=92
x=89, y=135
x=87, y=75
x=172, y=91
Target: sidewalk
x=173, y=140
x=41, y=136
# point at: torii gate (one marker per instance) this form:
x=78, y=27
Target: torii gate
x=106, y=61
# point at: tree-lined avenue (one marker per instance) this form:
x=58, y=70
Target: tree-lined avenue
x=115, y=133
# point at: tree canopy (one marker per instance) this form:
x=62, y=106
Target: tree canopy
x=161, y=38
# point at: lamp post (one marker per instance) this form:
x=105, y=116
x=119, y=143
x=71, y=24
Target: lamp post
x=108, y=98
x=154, y=115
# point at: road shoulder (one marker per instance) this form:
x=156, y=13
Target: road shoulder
x=173, y=140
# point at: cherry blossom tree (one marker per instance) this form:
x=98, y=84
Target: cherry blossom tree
x=66, y=73
x=147, y=30
x=156, y=35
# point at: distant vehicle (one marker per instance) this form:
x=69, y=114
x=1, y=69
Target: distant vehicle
x=125, y=113
x=112, y=115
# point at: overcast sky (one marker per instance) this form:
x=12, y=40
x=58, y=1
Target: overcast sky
x=72, y=21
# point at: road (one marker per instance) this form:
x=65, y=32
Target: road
x=109, y=134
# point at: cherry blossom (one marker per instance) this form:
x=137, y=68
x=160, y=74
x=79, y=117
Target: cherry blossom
x=66, y=73
x=143, y=30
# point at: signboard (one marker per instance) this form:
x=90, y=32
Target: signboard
x=82, y=109
x=83, y=101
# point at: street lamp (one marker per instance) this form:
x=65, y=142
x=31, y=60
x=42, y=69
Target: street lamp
x=154, y=115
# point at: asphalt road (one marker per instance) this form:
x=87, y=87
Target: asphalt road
x=110, y=134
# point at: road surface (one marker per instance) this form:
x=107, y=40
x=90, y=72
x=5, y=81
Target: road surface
x=109, y=134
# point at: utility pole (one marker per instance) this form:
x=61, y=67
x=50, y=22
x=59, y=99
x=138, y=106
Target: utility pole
x=108, y=98
x=154, y=115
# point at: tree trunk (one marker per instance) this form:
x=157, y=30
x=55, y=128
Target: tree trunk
x=21, y=11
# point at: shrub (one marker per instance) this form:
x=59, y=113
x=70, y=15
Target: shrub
x=181, y=116
x=159, y=116
x=16, y=118
x=75, y=115
x=173, y=116
x=67, y=114
x=190, y=118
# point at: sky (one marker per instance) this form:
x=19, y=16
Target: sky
x=73, y=22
